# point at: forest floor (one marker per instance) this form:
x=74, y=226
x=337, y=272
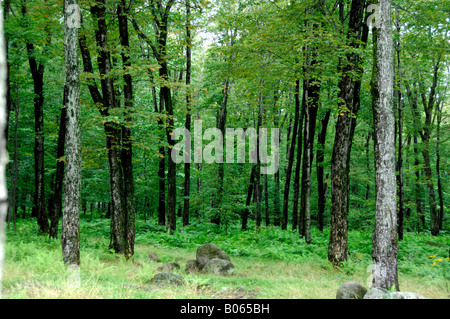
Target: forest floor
x=269, y=263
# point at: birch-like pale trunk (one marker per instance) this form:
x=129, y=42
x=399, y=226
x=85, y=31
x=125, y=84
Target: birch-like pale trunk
x=72, y=182
x=3, y=151
x=385, y=245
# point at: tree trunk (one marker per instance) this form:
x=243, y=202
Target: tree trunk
x=127, y=149
x=106, y=102
x=72, y=182
x=400, y=136
x=276, y=199
x=14, y=168
x=3, y=150
x=295, y=212
x=439, y=109
x=249, y=198
x=37, y=72
x=56, y=211
x=385, y=245
x=349, y=89
x=321, y=186
x=221, y=120
x=284, y=219
x=187, y=164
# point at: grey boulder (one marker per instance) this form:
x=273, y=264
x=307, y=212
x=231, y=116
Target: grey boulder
x=351, y=290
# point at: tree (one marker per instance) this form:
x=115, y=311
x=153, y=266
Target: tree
x=187, y=164
x=3, y=152
x=37, y=71
x=72, y=182
x=349, y=104
x=385, y=246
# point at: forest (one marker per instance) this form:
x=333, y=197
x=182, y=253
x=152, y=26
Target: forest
x=304, y=141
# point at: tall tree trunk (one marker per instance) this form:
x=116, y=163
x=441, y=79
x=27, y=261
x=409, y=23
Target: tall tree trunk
x=3, y=150
x=37, y=72
x=400, y=135
x=321, y=186
x=428, y=106
x=38, y=83
x=107, y=101
x=276, y=199
x=127, y=145
x=249, y=199
x=287, y=184
x=385, y=245
x=56, y=211
x=14, y=168
x=312, y=85
x=295, y=211
x=439, y=109
x=72, y=182
x=221, y=121
x=187, y=164
x=258, y=189
x=349, y=88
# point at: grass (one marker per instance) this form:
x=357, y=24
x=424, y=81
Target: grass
x=269, y=263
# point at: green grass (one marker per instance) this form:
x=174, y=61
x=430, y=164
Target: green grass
x=270, y=263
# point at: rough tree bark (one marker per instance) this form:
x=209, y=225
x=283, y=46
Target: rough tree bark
x=349, y=88
x=284, y=219
x=3, y=151
x=37, y=72
x=127, y=145
x=385, y=245
x=72, y=182
x=187, y=164
x=56, y=211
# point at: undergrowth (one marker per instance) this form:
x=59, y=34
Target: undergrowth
x=266, y=257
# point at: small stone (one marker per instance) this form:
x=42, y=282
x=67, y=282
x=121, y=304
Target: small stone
x=168, y=267
x=167, y=279
x=351, y=290
x=192, y=267
x=218, y=266
x=207, y=252
x=154, y=257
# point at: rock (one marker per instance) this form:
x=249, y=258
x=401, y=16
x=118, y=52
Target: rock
x=166, y=279
x=379, y=293
x=218, y=266
x=192, y=267
x=351, y=290
x=376, y=293
x=168, y=267
x=405, y=295
x=207, y=252
x=154, y=257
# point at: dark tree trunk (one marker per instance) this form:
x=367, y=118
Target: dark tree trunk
x=249, y=198
x=287, y=184
x=295, y=212
x=439, y=110
x=258, y=189
x=37, y=72
x=127, y=150
x=187, y=164
x=276, y=199
x=349, y=89
x=14, y=168
x=6, y=9
x=321, y=185
x=221, y=121
x=266, y=200
x=38, y=82
x=400, y=212
x=56, y=211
